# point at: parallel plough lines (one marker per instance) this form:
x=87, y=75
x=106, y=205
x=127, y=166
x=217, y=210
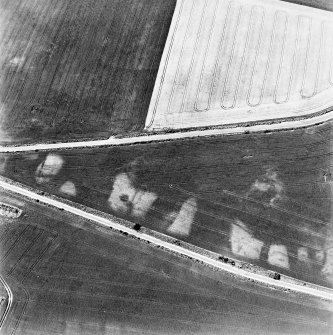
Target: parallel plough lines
x=16, y=306
x=264, y=312
x=18, y=316
x=202, y=294
x=22, y=311
x=50, y=247
x=264, y=75
x=35, y=260
x=171, y=245
x=9, y=302
x=72, y=60
x=14, y=244
x=25, y=233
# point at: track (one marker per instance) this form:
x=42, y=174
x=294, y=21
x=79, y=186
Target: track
x=273, y=125
x=9, y=304
x=286, y=285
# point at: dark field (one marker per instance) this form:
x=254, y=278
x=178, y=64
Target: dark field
x=78, y=69
x=81, y=69
x=246, y=196
x=69, y=276
x=321, y=4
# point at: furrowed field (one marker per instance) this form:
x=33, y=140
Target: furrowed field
x=81, y=69
x=78, y=69
x=69, y=276
x=263, y=198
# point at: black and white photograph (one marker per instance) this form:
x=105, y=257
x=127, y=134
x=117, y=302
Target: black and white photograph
x=166, y=167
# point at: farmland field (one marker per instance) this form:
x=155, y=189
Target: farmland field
x=69, y=276
x=263, y=198
x=78, y=69
x=4, y=302
x=81, y=69
x=225, y=63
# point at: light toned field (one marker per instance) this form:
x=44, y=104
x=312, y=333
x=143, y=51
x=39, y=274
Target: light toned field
x=245, y=61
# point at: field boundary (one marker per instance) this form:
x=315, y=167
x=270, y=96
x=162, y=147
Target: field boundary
x=194, y=86
x=169, y=134
x=242, y=270
x=9, y=302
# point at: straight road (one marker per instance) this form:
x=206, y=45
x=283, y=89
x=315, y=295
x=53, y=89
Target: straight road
x=286, y=284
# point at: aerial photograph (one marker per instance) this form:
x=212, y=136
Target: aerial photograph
x=166, y=167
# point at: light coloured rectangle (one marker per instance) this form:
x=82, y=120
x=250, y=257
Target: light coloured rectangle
x=242, y=61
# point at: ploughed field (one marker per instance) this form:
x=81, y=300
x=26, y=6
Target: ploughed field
x=69, y=276
x=263, y=198
x=78, y=69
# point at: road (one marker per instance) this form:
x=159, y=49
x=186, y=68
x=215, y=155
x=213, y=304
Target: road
x=288, y=284
x=70, y=275
x=160, y=137
x=9, y=302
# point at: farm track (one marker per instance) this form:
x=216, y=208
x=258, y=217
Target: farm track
x=166, y=137
x=312, y=290
x=53, y=85
x=9, y=302
x=24, y=307
x=68, y=90
x=122, y=275
x=218, y=173
x=12, y=245
x=50, y=247
x=27, y=296
x=37, y=259
x=17, y=307
x=8, y=273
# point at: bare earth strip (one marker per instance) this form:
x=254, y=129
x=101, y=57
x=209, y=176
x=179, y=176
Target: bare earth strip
x=93, y=279
x=197, y=189
x=285, y=283
x=47, y=96
x=9, y=302
x=160, y=137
